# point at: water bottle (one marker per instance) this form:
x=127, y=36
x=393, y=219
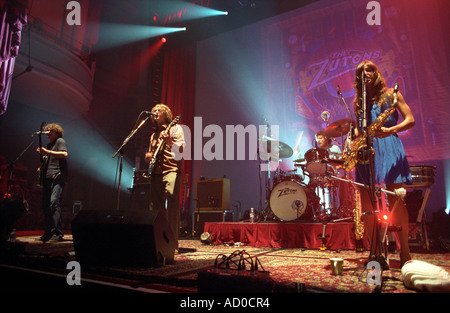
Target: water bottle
x=252, y=215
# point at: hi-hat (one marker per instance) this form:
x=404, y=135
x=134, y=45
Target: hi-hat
x=339, y=128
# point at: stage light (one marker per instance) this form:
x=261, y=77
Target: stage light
x=205, y=238
x=113, y=35
x=384, y=217
x=163, y=39
x=179, y=11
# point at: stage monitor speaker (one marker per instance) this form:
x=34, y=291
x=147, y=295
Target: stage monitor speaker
x=123, y=238
x=213, y=194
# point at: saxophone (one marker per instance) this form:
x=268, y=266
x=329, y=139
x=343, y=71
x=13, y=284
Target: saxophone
x=357, y=153
x=357, y=214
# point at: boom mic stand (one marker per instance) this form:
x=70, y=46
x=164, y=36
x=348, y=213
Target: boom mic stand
x=120, y=150
x=375, y=193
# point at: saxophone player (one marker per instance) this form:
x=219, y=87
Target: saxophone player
x=390, y=163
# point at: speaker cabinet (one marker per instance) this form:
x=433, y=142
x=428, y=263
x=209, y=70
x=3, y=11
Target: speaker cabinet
x=213, y=194
x=140, y=197
x=123, y=238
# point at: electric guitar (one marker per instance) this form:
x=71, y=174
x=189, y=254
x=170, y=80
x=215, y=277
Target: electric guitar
x=42, y=158
x=152, y=164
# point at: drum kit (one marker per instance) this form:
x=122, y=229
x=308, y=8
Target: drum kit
x=291, y=196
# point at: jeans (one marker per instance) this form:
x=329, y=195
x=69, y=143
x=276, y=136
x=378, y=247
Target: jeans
x=52, y=205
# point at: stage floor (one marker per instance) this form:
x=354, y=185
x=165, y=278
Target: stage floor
x=286, y=234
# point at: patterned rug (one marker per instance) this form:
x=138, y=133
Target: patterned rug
x=289, y=268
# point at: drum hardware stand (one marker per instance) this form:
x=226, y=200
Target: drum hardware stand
x=265, y=209
x=323, y=237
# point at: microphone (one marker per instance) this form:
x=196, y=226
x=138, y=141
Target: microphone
x=42, y=132
x=148, y=112
x=325, y=115
x=338, y=90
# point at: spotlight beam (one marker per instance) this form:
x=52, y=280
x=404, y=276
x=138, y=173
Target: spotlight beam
x=182, y=11
x=113, y=35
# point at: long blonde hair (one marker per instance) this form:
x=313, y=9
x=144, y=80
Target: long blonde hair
x=378, y=87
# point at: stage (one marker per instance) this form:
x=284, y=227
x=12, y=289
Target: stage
x=30, y=265
x=337, y=236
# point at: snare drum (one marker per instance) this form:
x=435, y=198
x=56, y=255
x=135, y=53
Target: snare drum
x=422, y=176
x=314, y=159
x=288, y=200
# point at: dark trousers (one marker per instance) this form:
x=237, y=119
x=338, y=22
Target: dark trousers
x=52, y=205
x=165, y=197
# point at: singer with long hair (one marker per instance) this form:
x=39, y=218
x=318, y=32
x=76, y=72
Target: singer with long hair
x=390, y=165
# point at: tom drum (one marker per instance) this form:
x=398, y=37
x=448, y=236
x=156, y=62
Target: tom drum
x=422, y=176
x=313, y=159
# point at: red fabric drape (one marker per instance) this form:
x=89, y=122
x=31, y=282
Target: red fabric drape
x=178, y=92
x=13, y=15
x=285, y=235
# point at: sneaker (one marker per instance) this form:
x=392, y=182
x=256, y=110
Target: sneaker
x=44, y=238
x=56, y=238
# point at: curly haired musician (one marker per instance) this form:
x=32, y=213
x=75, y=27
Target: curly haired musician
x=166, y=175
x=390, y=163
x=54, y=178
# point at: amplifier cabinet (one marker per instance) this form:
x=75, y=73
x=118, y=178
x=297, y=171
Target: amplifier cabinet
x=199, y=218
x=213, y=194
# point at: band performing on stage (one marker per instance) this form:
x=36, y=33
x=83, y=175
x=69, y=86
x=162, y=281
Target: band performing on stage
x=351, y=165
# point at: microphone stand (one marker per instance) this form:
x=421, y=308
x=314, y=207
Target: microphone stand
x=340, y=98
x=375, y=193
x=120, y=150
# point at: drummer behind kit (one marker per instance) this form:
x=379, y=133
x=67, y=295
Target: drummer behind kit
x=290, y=198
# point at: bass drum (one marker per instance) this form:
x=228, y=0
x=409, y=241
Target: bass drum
x=288, y=200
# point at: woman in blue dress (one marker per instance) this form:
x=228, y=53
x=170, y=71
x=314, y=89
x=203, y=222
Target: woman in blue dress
x=391, y=166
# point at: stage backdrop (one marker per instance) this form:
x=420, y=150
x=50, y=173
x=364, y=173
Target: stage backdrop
x=285, y=71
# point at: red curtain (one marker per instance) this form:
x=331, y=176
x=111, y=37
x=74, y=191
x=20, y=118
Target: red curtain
x=13, y=16
x=178, y=92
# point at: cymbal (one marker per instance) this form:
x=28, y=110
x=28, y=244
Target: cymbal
x=284, y=150
x=339, y=128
